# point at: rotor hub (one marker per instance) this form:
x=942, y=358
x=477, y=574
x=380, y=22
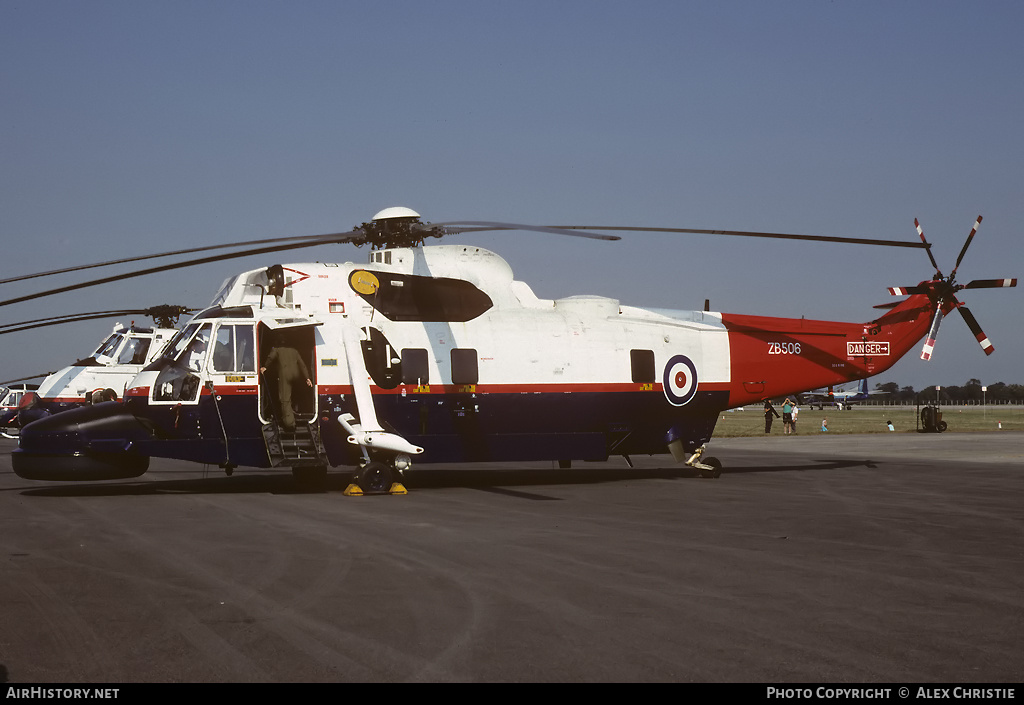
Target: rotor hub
x=395, y=212
x=397, y=226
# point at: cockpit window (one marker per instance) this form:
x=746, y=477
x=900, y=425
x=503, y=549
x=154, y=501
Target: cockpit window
x=179, y=341
x=105, y=343
x=177, y=382
x=134, y=352
x=195, y=354
x=109, y=346
x=233, y=349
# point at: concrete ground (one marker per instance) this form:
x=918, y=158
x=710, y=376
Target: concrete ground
x=849, y=559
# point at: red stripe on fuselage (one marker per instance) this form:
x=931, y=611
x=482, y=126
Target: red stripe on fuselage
x=408, y=389
x=608, y=387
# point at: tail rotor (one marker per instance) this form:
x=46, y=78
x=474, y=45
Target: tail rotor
x=942, y=292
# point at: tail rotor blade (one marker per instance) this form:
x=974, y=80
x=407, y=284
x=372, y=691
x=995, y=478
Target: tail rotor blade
x=920, y=232
x=972, y=323
x=989, y=284
x=933, y=332
x=907, y=290
x=970, y=237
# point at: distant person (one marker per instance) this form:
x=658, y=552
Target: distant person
x=824, y=424
x=769, y=414
x=787, y=416
x=796, y=412
x=101, y=395
x=291, y=372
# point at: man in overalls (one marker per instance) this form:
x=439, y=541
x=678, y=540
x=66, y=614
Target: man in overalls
x=291, y=370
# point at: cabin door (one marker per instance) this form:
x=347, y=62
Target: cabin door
x=287, y=373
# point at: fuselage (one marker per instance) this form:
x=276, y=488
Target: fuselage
x=467, y=363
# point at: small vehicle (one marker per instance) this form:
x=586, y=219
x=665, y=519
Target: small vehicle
x=10, y=399
x=931, y=419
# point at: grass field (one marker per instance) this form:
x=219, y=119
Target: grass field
x=871, y=419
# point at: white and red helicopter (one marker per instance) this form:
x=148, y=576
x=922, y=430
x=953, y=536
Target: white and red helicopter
x=437, y=354
x=102, y=375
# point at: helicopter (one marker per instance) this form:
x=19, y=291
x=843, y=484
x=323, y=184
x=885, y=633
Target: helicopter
x=436, y=353
x=99, y=376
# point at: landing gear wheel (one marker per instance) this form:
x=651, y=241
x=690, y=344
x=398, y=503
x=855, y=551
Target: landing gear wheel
x=375, y=478
x=716, y=467
x=941, y=426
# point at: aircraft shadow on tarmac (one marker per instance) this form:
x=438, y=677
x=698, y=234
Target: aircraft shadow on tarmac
x=487, y=479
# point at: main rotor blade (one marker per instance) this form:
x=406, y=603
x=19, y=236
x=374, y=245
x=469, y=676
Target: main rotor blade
x=191, y=250
x=920, y=232
x=486, y=225
x=933, y=332
x=316, y=240
x=747, y=233
x=22, y=379
x=29, y=325
x=963, y=250
x=89, y=316
x=300, y=241
x=62, y=317
x=989, y=284
x=979, y=334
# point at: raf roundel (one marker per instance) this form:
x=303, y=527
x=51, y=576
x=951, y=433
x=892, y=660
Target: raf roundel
x=680, y=380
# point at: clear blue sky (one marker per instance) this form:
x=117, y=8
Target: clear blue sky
x=133, y=127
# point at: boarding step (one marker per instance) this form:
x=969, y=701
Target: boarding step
x=296, y=448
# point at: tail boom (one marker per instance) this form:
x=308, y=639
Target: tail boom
x=773, y=357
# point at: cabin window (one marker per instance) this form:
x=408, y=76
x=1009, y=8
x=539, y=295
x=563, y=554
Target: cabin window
x=414, y=366
x=464, y=366
x=641, y=363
